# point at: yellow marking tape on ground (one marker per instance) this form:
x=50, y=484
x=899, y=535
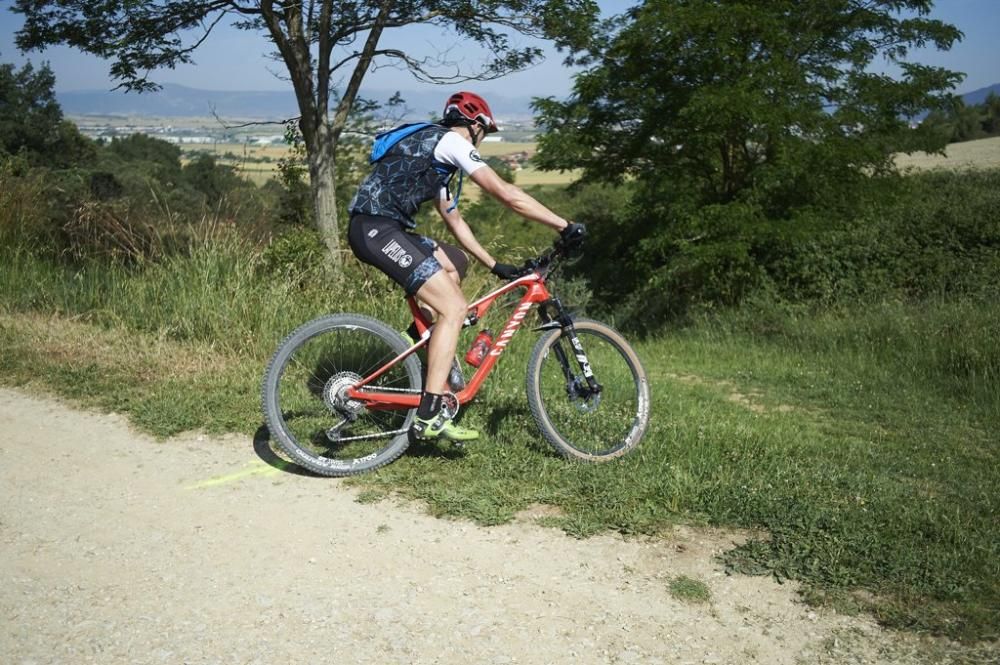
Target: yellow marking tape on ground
x=257, y=468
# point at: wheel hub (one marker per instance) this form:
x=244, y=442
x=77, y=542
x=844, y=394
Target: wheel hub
x=336, y=397
x=583, y=398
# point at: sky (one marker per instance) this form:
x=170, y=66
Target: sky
x=237, y=60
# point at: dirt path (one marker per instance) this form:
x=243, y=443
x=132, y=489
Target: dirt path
x=117, y=549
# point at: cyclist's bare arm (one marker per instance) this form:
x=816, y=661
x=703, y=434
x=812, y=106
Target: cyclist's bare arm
x=460, y=229
x=516, y=198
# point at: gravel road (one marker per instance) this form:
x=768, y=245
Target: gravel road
x=115, y=548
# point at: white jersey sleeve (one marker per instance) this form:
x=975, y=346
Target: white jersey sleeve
x=454, y=150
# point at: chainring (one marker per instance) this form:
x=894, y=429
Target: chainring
x=449, y=404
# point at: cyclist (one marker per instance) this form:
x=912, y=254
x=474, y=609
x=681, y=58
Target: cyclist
x=419, y=168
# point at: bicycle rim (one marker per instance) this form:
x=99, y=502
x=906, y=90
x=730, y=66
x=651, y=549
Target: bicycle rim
x=305, y=398
x=578, y=423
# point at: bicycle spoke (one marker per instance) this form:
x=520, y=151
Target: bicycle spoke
x=582, y=419
x=316, y=420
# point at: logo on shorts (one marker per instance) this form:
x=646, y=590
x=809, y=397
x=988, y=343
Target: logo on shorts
x=373, y=233
x=397, y=254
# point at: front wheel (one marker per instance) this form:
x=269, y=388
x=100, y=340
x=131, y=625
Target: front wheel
x=588, y=420
x=306, y=402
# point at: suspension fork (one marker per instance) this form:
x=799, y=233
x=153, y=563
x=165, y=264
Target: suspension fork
x=562, y=320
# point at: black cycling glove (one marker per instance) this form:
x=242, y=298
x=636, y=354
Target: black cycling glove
x=573, y=235
x=505, y=271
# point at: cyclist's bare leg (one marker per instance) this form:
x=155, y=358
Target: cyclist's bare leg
x=441, y=292
x=449, y=268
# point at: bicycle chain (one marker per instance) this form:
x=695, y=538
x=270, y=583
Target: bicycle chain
x=452, y=406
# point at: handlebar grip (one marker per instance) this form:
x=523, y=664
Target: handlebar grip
x=573, y=234
x=570, y=238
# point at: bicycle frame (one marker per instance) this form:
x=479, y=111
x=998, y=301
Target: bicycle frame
x=535, y=293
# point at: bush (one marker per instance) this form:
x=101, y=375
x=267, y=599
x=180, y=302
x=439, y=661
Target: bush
x=134, y=203
x=295, y=255
x=933, y=234
x=21, y=216
x=913, y=237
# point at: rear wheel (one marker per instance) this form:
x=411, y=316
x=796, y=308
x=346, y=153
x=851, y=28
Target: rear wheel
x=581, y=421
x=305, y=397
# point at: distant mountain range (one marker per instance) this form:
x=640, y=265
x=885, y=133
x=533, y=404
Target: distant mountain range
x=979, y=96
x=180, y=101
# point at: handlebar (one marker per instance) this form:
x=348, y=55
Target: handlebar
x=542, y=262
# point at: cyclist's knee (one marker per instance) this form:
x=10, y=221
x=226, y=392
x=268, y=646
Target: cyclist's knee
x=455, y=308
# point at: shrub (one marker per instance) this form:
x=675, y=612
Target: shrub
x=913, y=237
x=296, y=253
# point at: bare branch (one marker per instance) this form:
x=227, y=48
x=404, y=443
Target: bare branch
x=208, y=31
x=325, y=48
x=360, y=69
x=248, y=11
x=421, y=69
x=402, y=22
x=353, y=56
x=222, y=123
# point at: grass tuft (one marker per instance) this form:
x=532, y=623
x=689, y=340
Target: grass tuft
x=689, y=590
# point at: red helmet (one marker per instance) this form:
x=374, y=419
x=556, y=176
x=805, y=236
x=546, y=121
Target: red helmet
x=473, y=107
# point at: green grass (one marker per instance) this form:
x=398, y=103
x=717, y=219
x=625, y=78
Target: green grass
x=689, y=590
x=862, y=441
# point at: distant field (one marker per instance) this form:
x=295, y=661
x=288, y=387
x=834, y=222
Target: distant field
x=258, y=163
x=506, y=147
x=981, y=154
x=277, y=151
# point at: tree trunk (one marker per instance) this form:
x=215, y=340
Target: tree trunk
x=322, y=177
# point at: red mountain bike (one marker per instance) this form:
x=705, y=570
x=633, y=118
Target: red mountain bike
x=341, y=391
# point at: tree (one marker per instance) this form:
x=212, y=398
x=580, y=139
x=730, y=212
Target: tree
x=991, y=114
x=968, y=123
x=502, y=168
x=31, y=122
x=728, y=97
x=162, y=160
x=739, y=125
x=213, y=180
x=960, y=122
x=316, y=40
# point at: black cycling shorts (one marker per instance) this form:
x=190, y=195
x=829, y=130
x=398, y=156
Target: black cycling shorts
x=404, y=256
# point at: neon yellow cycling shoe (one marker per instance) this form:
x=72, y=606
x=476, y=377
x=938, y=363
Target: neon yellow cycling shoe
x=441, y=427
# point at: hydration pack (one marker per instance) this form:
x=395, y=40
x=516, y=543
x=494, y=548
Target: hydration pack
x=385, y=140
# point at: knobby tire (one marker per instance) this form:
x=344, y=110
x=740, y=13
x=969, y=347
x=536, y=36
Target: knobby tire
x=589, y=429
x=305, y=372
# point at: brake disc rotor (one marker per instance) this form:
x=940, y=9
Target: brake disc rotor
x=580, y=395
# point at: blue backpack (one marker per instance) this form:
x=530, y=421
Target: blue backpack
x=385, y=140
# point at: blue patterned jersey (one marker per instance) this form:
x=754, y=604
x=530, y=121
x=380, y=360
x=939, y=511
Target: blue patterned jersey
x=406, y=176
